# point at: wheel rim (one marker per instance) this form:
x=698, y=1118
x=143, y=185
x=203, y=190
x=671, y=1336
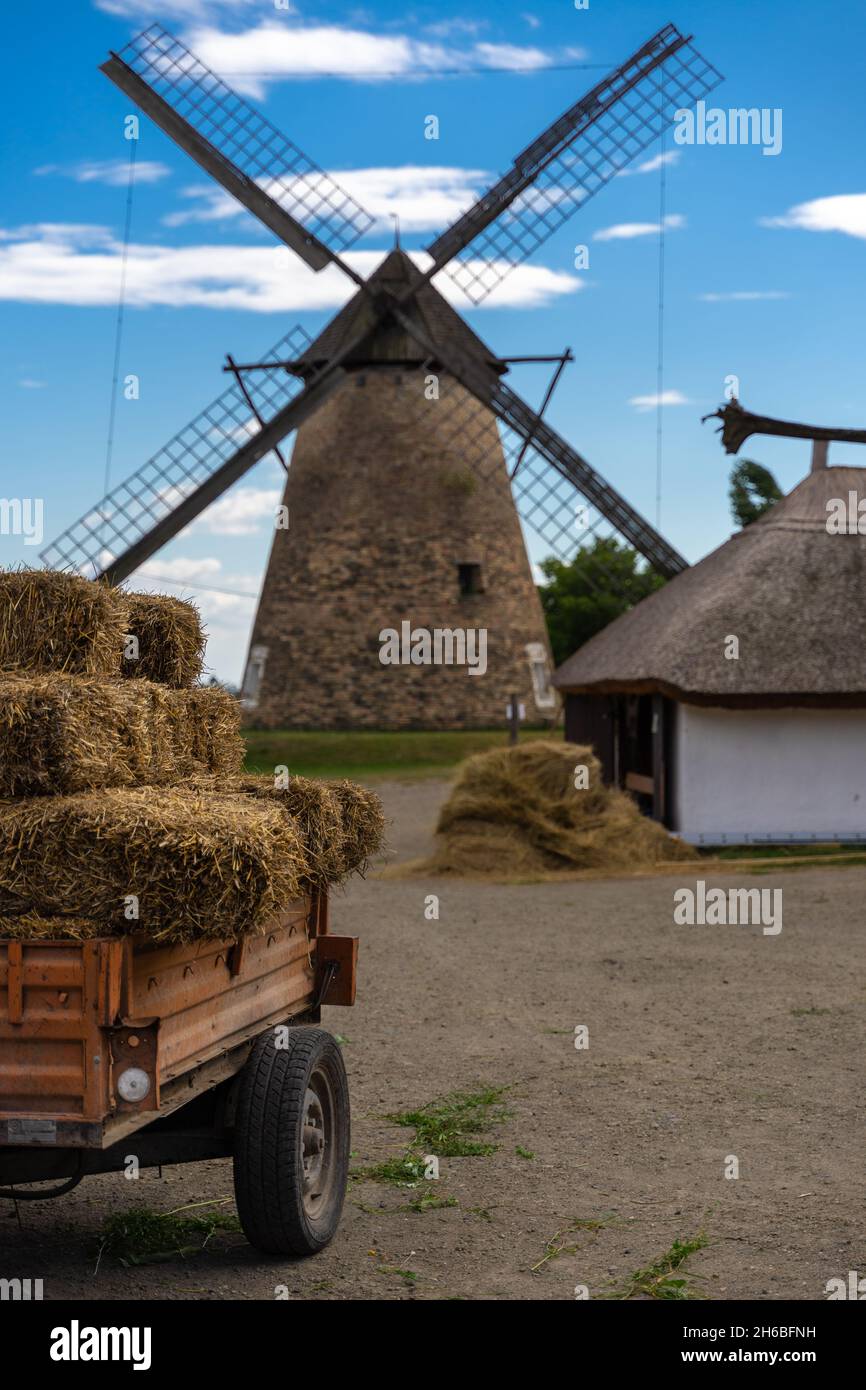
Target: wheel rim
x=317, y=1144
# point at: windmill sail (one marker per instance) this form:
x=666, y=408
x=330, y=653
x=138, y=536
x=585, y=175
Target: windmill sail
x=238, y=147
x=548, y=460
x=181, y=479
x=570, y=161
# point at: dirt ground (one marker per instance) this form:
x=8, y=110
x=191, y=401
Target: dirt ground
x=704, y=1042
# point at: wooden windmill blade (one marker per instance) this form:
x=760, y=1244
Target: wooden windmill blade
x=240, y=148
x=569, y=162
x=552, y=460
x=307, y=210
x=195, y=467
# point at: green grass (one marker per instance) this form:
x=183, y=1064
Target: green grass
x=414, y=753
x=657, y=1280
x=404, y=1171
x=447, y=1127
x=428, y=1201
x=410, y=1276
x=559, y=1245
x=827, y=851
x=141, y=1236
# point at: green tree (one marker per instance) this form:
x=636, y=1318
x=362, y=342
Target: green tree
x=752, y=492
x=603, y=580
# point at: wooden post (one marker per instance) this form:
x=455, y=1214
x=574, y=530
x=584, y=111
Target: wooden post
x=658, y=736
x=513, y=719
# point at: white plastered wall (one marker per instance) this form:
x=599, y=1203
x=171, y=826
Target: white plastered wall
x=769, y=774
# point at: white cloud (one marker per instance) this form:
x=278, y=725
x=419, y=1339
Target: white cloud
x=652, y=166
x=445, y=27
x=55, y=264
x=182, y=570
x=424, y=197
x=532, y=20
x=652, y=402
x=845, y=212
x=250, y=59
x=30, y=384
x=512, y=56
x=113, y=172
x=626, y=231
x=242, y=512
x=733, y=296
x=188, y=10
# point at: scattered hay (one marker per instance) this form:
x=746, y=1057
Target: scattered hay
x=516, y=813
x=61, y=734
x=170, y=637
x=200, y=865
x=54, y=621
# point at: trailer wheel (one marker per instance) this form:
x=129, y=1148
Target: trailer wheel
x=291, y=1157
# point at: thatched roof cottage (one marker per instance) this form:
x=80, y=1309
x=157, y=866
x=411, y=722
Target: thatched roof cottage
x=733, y=700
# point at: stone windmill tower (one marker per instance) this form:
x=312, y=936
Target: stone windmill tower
x=412, y=454
x=391, y=522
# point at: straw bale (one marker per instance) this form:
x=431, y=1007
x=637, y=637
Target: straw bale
x=363, y=824
x=199, y=864
x=54, y=621
x=62, y=734
x=170, y=637
x=30, y=926
x=341, y=824
x=213, y=717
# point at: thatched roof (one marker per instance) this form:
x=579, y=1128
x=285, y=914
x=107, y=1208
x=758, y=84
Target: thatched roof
x=389, y=343
x=793, y=594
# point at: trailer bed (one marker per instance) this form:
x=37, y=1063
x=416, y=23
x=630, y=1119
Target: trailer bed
x=78, y=1016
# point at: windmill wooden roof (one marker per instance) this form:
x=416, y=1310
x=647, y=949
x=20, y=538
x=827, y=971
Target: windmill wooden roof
x=793, y=594
x=388, y=342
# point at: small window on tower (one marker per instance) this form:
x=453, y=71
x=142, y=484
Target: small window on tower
x=469, y=578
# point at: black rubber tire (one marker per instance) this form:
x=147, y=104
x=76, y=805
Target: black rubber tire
x=269, y=1171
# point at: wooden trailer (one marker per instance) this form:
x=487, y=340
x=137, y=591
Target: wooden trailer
x=119, y=1049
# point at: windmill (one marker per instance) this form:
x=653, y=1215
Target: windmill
x=411, y=450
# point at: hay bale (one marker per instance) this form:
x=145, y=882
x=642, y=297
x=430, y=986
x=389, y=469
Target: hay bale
x=213, y=717
x=200, y=865
x=31, y=927
x=170, y=639
x=54, y=621
x=61, y=734
x=516, y=812
x=363, y=824
x=341, y=824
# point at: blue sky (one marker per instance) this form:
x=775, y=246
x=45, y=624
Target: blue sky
x=764, y=255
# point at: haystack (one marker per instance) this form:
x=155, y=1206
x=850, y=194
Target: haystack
x=169, y=637
x=53, y=621
x=191, y=865
x=62, y=734
x=517, y=812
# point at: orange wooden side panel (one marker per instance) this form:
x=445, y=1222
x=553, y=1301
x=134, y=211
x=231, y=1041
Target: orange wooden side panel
x=69, y=1012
